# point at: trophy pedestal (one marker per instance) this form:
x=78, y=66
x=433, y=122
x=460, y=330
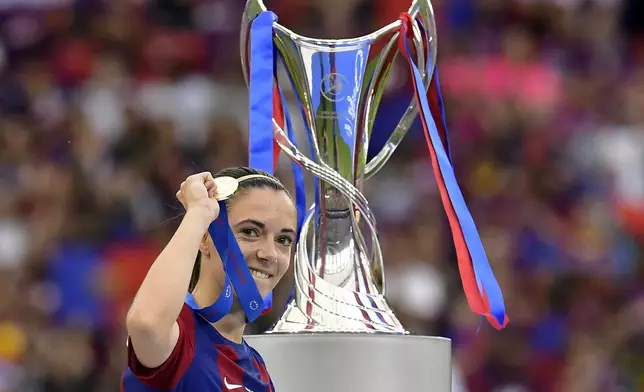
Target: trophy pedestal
x=336, y=362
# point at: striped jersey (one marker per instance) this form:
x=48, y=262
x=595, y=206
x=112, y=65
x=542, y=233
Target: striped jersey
x=202, y=360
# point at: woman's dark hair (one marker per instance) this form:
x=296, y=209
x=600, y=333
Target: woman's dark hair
x=266, y=181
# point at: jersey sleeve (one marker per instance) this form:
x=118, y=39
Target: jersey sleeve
x=168, y=375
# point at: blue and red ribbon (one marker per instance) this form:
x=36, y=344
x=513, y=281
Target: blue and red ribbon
x=267, y=102
x=261, y=122
x=479, y=283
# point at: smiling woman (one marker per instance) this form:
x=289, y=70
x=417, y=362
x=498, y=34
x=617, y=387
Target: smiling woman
x=171, y=346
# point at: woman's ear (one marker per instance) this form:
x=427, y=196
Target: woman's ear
x=204, y=246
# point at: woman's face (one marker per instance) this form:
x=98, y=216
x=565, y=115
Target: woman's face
x=264, y=222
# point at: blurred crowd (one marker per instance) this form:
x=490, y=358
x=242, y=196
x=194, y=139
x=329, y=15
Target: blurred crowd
x=107, y=105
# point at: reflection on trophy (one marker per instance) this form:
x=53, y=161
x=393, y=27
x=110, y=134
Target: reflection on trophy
x=339, y=323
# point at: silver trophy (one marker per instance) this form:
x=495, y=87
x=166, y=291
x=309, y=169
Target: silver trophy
x=339, y=321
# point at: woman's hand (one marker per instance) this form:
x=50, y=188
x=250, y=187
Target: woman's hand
x=196, y=194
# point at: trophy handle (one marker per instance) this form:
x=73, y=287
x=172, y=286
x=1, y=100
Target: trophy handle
x=419, y=9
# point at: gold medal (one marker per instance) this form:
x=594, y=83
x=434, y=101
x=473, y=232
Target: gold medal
x=226, y=187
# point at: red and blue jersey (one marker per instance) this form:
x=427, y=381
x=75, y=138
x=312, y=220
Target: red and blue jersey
x=202, y=360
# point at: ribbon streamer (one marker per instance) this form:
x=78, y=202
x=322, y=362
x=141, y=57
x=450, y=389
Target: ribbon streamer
x=479, y=283
x=266, y=102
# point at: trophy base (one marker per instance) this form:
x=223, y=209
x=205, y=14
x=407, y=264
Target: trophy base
x=355, y=362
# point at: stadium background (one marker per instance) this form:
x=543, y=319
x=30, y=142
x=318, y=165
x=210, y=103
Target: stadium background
x=107, y=105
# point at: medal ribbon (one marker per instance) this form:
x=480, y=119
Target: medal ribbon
x=266, y=102
x=479, y=283
x=221, y=307
x=236, y=275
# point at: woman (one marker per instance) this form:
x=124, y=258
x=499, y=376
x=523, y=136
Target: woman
x=171, y=347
